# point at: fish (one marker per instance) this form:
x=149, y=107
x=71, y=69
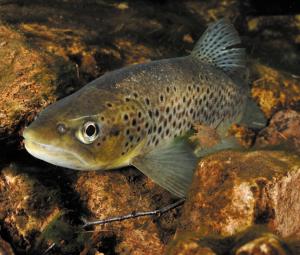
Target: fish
x=143, y=115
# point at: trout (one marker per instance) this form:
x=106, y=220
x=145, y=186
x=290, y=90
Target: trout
x=142, y=115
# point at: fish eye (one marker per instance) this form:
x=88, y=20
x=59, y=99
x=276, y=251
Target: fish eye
x=90, y=132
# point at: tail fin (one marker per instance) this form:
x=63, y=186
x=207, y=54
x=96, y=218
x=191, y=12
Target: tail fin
x=219, y=47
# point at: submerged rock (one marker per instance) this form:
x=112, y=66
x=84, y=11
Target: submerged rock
x=5, y=248
x=26, y=207
x=253, y=241
x=274, y=89
x=231, y=191
x=283, y=131
x=116, y=193
x=30, y=80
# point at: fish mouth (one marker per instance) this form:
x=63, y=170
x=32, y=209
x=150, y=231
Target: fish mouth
x=55, y=155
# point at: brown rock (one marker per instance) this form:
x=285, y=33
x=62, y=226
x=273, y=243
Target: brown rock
x=5, y=248
x=188, y=244
x=30, y=80
x=265, y=245
x=283, y=130
x=116, y=193
x=26, y=207
x=233, y=190
x=256, y=240
x=274, y=89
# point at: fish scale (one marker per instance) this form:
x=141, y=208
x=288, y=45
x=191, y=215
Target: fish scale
x=141, y=115
x=182, y=102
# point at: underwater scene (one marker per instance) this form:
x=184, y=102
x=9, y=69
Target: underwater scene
x=149, y=127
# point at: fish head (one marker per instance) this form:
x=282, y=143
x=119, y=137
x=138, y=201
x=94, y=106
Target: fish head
x=88, y=130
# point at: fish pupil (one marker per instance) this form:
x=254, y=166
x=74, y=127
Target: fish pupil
x=90, y=130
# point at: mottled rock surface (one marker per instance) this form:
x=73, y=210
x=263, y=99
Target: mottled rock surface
x=117, y=193
x=253, y=241
x=282, y=131
x=27, y=207
x=30, y=80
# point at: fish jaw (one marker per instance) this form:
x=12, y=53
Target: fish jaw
x=55, y=155
x=44, y=149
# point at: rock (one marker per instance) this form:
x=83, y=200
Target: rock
x=283, y=130
x=274, y=89
x=256, y=240
x=265, y=245
x=5, y=248
x=30, y=80
x=231, y=191
x=273, y=41
x=188, y=243
x=116, y=193
x=26, y=207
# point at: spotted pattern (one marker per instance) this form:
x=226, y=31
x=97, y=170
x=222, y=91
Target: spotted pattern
x=172, y=108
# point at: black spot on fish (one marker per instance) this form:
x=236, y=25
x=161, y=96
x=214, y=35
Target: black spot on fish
x=138, y=129
x=131, y=138
x=139, y=114
x=109, y=105
x=165, y=123
x=161, y=98
x=135, y=94
x=125, y=117
x=127, y=99
x=168, y=89
x=167, y=109
x=156, y=112
x=159, y=129
x=150, y=113
x=114, y=131
x=133, y=122
x=194, y=115
x=127, y=132
x=147, y=101
x=146, y=125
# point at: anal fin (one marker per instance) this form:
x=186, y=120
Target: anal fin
x=171, y=166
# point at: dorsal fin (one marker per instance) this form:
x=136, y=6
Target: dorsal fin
x=219, y=47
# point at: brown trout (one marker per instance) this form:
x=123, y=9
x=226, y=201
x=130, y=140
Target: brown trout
x=141, y=115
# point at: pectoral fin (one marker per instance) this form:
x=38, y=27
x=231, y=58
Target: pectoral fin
x=171, y=166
